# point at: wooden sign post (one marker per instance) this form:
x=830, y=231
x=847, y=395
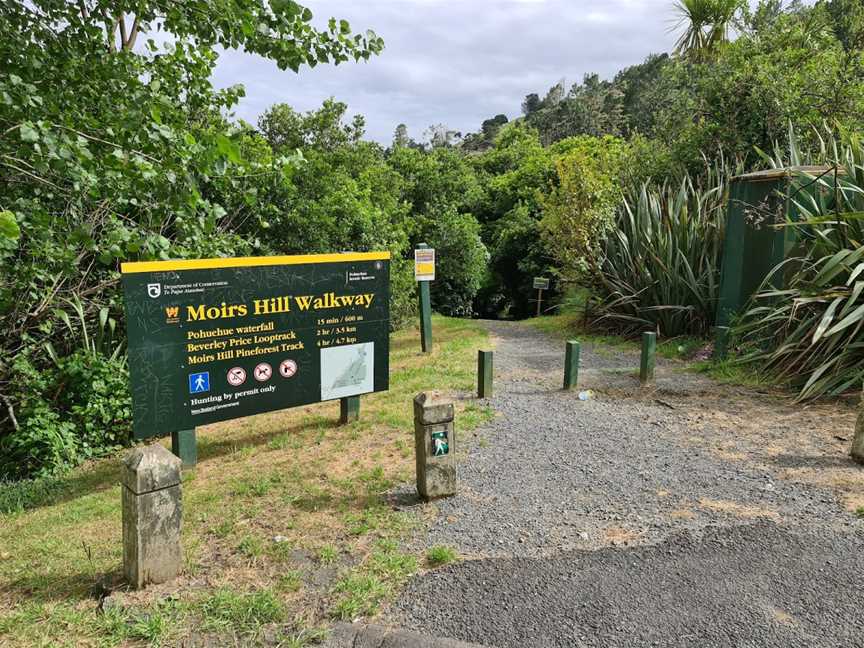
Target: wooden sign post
x=540, y=284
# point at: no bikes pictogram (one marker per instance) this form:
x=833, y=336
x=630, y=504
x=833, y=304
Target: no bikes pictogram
x=262, y=372
x=236, y=376
x=288, y=368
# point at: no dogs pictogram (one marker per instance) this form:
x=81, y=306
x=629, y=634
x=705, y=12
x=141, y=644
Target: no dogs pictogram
x=263, y=372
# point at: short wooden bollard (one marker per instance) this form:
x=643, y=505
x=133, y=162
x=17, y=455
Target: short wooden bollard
x=484, y=374
x=649, y=351
x=434, y=445
x=152, y=516
x=571, y=364
x=349, y=410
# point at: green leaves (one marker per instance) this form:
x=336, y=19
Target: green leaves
x=28, y=132
x=9, y=229
x=662, y=262
x=228, y=148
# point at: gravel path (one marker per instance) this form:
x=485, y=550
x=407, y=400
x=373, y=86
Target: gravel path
x=637, y=517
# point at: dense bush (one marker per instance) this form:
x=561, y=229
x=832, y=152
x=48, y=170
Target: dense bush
x=661, y=263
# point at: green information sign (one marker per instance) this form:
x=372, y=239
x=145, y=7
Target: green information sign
x=216, y=339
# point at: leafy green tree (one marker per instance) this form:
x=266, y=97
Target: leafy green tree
x=579, y=208
x=789, y=69
x=705, y=26
x=440, y=191
x=512, y=173
x=115, y=148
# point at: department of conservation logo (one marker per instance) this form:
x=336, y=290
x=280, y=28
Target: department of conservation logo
x=172, y=314
x=154, y=290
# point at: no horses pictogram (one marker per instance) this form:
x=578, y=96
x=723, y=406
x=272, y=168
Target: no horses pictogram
x=288, y=368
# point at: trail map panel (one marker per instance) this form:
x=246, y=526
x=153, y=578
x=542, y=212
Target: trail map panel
x=216, y=339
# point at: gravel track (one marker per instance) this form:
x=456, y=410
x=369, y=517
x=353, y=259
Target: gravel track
x=601, y=523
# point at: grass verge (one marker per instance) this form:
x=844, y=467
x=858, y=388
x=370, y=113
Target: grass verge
x=286, y=523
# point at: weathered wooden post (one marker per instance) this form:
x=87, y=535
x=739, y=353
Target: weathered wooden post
x=540, y=284
x=152, y=516
x=434, y=445
x=484, y=374
x=649, y=350
x=571, y=364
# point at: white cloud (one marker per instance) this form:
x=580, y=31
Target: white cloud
x=457, y=62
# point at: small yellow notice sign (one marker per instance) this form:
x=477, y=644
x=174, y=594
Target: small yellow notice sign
x=424, y=264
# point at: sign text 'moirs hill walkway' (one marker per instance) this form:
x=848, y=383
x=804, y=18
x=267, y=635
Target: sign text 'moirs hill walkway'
x=216, y=339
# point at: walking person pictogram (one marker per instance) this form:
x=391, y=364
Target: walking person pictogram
x=199, y=382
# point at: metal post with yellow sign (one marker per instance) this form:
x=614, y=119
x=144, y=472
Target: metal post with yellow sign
x=424, y=273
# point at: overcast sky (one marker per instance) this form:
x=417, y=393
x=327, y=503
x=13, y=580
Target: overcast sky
x=457, y=62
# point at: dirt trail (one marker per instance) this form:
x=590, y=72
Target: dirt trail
x=688, y=514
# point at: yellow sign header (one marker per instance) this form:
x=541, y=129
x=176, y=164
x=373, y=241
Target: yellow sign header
x=246, y=262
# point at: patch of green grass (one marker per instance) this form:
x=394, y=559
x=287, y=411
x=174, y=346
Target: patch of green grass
x=19, y=496
x=308, y=637
x=328, y=554
x=361, y=595
x=243, y=612
x=154, y=626
x=440, y=555
x=361, y=592
x=859, y=512
x=281, y=551
x=475, y=415
x=257, y=487
x=251, y=547
x=289, y=582
x=730, y=372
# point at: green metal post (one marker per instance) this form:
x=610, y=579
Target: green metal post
x=484, y=374
x=183, y=445
x=425, y=317
x=721, y=342
x=571, y=364
x=425, y=312
x=349, y=409
x=649, y=349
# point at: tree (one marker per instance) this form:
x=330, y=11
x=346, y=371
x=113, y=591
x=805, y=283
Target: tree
x=280, y=31
x=400, y=136
x=114, y=149
x=531, y=104
x=439, y=135
x=322, y=129
x=705, y=25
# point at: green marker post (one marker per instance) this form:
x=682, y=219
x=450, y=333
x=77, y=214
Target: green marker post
x=721, y=342
x=425, y=310
x=484, y=374
x=649, y=351
x=571, y=364
x=184, y=446
x=349, y=410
